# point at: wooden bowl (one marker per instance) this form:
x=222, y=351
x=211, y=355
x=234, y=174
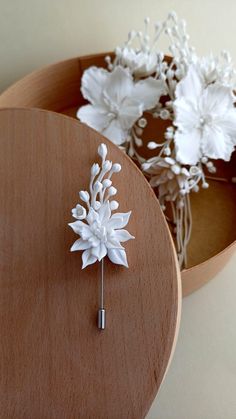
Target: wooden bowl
x=57, y=88
x=55, y=363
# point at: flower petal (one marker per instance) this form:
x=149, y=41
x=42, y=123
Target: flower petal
x=115, y=133
x=104, y=212
x=94, y=116
x=119, y=220
x=88, y=258
x=93, y=82
x=191, y=86
x=227, y=123
x=130, y=111
x=186, y=114
x=148, y=92
x=119, y=85
x=92, y=216
x=118, y=256
x=217, y=145
x=112, y=243
x=123, y=235
x=216, y=99
x=100, y=251
x=188, y=146
x=77, y=226
x=80, y=244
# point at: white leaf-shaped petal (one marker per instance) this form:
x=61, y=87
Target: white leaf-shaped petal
x=115, y=133
x=148, y=92
x=88, y=258
x=186, y=116
x=130, y=111
x=118, y=256
x=119, y=85
x=188, y=146
x=217, y=99
x=104, y=212
x=113, y=243
x=99, y=252
x=93, y=82
x=80, y=244
x=123, y=235
x=119, y=220
x=92, y=216
x=217, y=145
x=77, y=226
x=94, y=116
x=191, y=86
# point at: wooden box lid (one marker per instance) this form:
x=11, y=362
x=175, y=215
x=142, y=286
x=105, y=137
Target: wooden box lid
x=54, y=362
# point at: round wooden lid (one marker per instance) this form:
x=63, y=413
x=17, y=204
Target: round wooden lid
x=55, y=363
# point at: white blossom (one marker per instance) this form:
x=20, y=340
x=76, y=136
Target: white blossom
x=205, y=118
x=101, y=232
x=170, y=178
x=116, y=101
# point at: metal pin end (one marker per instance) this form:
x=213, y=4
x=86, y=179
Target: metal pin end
x=101, y=318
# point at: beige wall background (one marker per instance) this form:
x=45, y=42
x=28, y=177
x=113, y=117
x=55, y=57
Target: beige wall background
x=201, y=382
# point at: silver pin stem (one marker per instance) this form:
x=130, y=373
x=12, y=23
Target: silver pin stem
x=101, y=311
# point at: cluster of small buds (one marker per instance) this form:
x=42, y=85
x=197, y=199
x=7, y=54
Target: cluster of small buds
x=100, y=187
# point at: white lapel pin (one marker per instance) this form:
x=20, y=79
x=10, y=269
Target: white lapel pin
x=101, y=232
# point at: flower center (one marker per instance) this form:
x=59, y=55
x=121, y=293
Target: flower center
x=99, y=231
x=206, y=121
x=113, y=108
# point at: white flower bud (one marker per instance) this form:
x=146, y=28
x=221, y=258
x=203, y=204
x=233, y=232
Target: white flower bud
x=79, y=212
x=205, y=185
x=84, y=196
x=204, y=160
x=114, y=205
x=97, y=187
x=95, y=169
x=167, y=151
x=107, y=165
x=145, y=166
x=152, y=145
x=116, y=167
x=176, y=169
x=106, y=183
x=169, y=135
x=194, y=171
x=142, y=122
x=102, y=151
x=112, y=191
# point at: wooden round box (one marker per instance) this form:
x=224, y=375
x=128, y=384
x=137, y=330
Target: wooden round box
x=55, y=362
x=57, y=88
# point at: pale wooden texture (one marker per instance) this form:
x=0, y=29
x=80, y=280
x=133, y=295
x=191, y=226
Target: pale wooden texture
x=57, y=88
x=54, y=362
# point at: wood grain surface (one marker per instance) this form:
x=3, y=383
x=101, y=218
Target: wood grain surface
x=57, y=88
x=54, y=362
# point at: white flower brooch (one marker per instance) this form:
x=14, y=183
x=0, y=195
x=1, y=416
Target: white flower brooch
x=192, y=97
x=101, y=232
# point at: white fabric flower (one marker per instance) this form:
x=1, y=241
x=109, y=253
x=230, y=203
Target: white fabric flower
x=205, y=118
x=140, y=63
x=102, y=235
x=116, y=101
x=217, y=69
x=170, y=178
